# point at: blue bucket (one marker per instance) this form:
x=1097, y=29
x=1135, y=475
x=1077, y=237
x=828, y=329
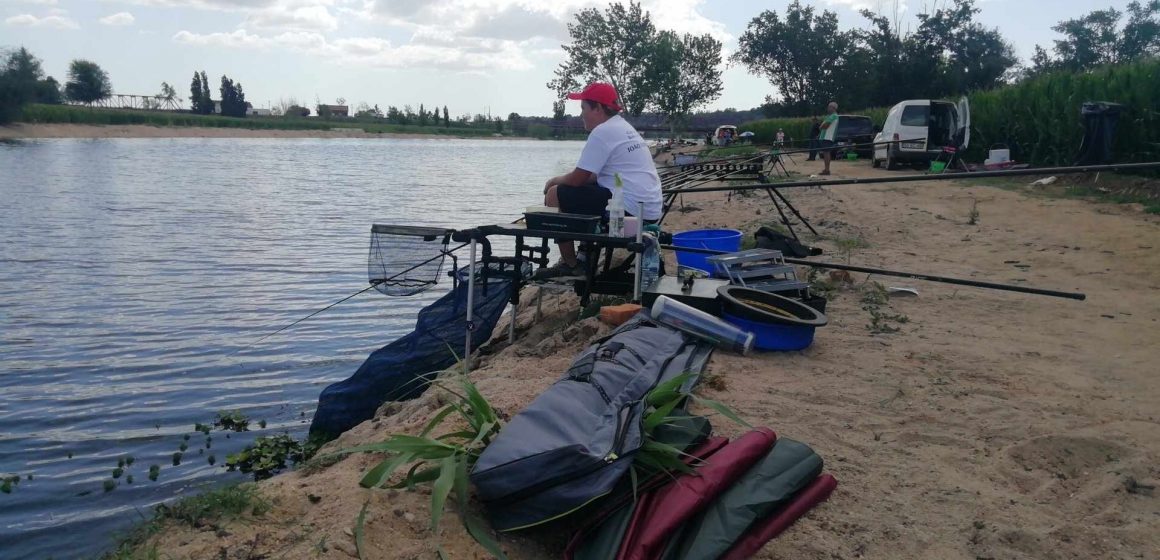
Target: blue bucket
x=728, y=240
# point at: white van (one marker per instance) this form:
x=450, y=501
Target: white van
x=917, y=130
x=725, y=135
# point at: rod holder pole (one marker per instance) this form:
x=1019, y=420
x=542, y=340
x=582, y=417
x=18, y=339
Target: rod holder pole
x=470, y=308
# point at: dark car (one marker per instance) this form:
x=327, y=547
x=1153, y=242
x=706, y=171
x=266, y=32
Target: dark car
x=855, y=130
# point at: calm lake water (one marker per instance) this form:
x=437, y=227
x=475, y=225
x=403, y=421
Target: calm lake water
x=137, y=274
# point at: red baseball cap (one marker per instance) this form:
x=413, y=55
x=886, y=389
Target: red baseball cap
x=599, y=92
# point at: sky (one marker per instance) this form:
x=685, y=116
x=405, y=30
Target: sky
x=474, y=56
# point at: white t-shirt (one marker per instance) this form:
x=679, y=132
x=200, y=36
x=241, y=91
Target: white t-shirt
x=615, y=147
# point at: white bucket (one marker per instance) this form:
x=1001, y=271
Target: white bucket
x=631, y=226
x=999, y=156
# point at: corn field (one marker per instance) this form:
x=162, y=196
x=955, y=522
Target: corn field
x=1039, y=119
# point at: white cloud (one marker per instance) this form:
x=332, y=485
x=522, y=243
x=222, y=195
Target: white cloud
x=683, y=16
x=516, y=23
x=886, y=8
x=54, y=21
x=371, y=51
x=315, y=18
x=461, y=35
x=119, y=18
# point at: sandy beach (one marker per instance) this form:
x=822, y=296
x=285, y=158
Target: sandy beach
x=20, y=130
x=990, y=425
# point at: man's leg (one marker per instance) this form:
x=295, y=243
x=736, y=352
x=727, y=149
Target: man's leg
x=813, y=150
x=567, y=248
x=826, y=155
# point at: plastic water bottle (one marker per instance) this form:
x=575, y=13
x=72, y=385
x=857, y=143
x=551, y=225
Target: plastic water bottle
x=616, y=209
x=650, y=269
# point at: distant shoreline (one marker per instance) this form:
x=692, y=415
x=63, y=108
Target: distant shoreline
x=30, y=131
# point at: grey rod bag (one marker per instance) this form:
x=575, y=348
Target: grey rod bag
x=572, y=444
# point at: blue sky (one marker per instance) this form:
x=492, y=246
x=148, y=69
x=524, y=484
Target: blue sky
x=471, y=55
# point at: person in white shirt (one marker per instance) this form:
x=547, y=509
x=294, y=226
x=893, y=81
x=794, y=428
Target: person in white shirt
x=613, y=148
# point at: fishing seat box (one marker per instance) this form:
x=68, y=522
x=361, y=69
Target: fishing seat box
x=546, y=220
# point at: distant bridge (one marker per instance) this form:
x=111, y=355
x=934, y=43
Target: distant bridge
x=572, y=129
x=132, y=101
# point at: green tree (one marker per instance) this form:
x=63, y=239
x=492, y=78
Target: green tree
x=195, y=94
x=558, y=111
x=685, y=73
x=800, y=55
x=966, y=56
x=614, y=47
x=48, y=91
x=87, y=82
x=22, y=81
x=446, y=117
x=422, y=115
x=233, y=99
x=297, y=111
x=206, y=100
x=516, y=124
x=1096, y=39
x=167, y=94
x=18, y=78
x=499, y=125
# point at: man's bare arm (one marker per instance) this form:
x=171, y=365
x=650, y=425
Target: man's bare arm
x=577, y=177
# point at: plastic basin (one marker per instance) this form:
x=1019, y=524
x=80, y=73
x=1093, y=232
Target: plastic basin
x=727, y=240
x=792, y=328
x=938, y=166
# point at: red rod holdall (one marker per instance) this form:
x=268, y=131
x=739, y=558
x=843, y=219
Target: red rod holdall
x=766, y=529
x=595, y=532
x=662, y=512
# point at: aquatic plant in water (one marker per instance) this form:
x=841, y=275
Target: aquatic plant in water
x=266, y=456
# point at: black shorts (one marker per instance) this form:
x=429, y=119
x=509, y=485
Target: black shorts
x=588, y=199
x=827, y=146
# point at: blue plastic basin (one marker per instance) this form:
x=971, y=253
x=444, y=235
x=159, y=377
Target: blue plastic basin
x=728, y=240
x=791, y=328
x=770, y=336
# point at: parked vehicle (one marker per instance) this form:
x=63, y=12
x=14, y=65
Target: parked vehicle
x=725, y=135
x=852, y=130
x=917, y=130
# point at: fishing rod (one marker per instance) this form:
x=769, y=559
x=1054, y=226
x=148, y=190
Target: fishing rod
x=925, y=177
x=374, y=284
x=902, y=274
x=795, y=151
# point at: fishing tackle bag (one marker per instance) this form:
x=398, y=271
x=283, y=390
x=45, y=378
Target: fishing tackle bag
x=572, y=444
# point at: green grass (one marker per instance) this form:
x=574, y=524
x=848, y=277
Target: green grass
x=206, y=509
x=69, y=114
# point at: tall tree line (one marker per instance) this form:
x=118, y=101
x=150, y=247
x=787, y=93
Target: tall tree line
x=23, y=81
x=810, y=61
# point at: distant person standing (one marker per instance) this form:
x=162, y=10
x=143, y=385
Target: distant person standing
x=829, y=129
x=815, y=130
x=780, y=137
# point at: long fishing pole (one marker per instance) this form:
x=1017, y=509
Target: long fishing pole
x=374, y=284
x=794, y=151
x=940, y=177
x=902, y=274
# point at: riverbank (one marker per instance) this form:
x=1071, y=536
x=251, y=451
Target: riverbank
x=29, y=131
x=961, y=423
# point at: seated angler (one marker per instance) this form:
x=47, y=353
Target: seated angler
x=613, y=148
